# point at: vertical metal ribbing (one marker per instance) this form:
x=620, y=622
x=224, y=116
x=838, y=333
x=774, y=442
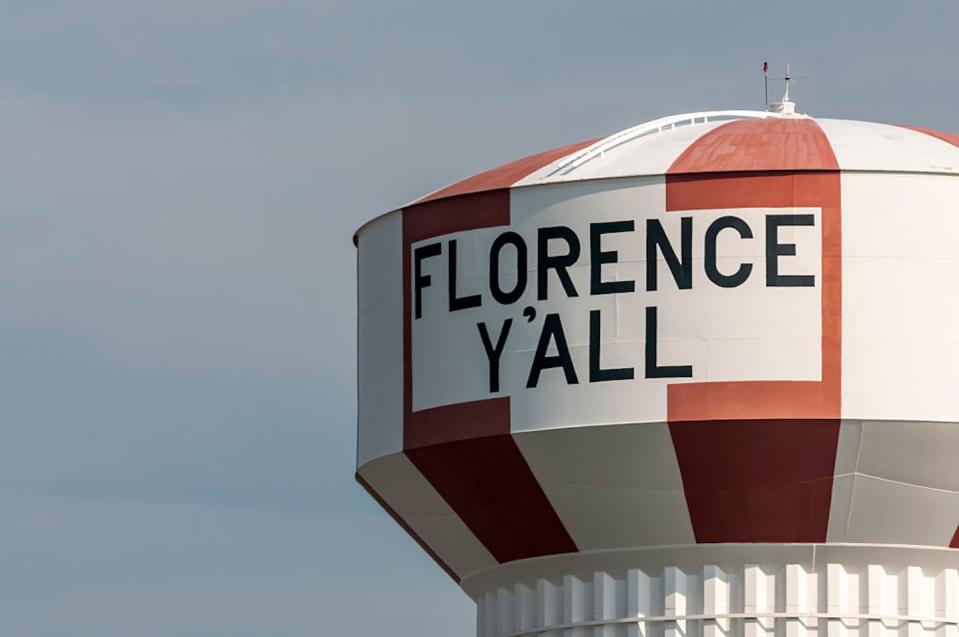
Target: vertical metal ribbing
x=524, y=607
x=486, y=616
x=675, y=596
x=639, y=602
x=759, y=597
x=841, y=599
x=505, y=612
x=549, y=610
x=577, y=605
x=716, y=601
x=913, y=599
x=606, y=603
x=793, y=602
x=877, y=599
x=801, y=593
x=947, y=600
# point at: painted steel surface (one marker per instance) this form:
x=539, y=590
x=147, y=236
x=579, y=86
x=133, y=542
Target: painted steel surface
x=722, y=333
x=795, y=600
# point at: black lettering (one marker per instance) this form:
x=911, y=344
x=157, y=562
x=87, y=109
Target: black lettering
x=501, y=296
x=552, y=331
x=421, y=280
x=738, y=277
x=597, y=257
x=653, y=369
x=596, y=373
x=493, y=353
x=458, y=302
x=682, y=268
x=774, y=250
x=545, y=262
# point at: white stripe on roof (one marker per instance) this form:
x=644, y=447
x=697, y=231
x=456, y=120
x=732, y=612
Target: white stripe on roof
x=873, y=146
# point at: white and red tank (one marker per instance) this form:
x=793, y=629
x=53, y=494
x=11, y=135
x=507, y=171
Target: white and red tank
x=697, y=377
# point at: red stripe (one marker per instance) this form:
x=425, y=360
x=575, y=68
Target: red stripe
x=453, y=423
x=490, y=486
x=770, y=399
x=506, y=175
x=466, y=451
x=954, y=544
x=949, y=138
x=433, y=218
x=757, y=480
x=759, y=144
x=423, y=221
x=406, y=527
x=757, y=458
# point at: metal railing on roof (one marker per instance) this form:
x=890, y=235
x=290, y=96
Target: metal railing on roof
x=606, y=144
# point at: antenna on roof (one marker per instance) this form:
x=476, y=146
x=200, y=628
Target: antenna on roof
x=785, y=106
x=787, y=78
x=766, y=84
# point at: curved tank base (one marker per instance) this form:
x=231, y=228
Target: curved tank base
x=720, y=590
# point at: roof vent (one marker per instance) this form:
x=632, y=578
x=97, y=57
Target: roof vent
x=785, y=107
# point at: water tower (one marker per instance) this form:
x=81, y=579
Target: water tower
x=698, y=377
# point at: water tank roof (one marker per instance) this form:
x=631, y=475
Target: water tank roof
x=726, y=141
x=723, y=141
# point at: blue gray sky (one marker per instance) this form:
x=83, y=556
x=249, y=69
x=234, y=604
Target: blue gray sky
x=179, y=182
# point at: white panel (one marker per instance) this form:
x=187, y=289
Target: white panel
x=917, y=453
x=842, y=492
x=622, y=487
x=847, y=461
x=873, y=146
x=850, y=442
x=890, y=512
x=900, y=336
x=380, y=339
x=749, y=332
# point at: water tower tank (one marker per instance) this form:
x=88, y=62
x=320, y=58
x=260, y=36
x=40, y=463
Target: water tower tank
x=698, y=377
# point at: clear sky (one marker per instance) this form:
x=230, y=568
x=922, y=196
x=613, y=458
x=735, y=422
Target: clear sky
x=179, y=182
